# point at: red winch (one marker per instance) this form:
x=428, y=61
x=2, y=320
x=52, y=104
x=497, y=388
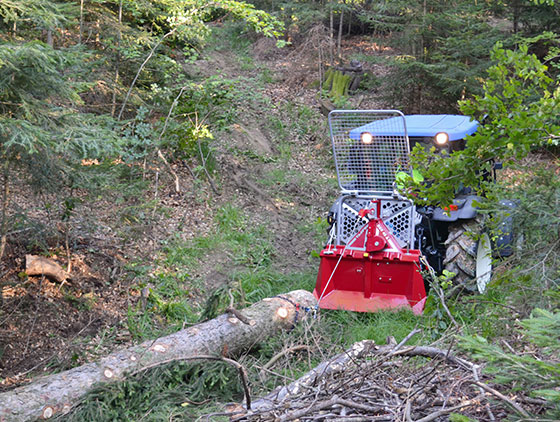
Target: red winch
x=372, y=271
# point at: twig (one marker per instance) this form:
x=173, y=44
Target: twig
x=552, y=249
x=160, y=154
x=277, y=356
x=326, y=404
x=189, y=169
x=68, y=254
x=477, y=300
x=438, y=290
x=4, y=215
x=231, y=298
x=442, y=412
x=405, y=340
x=407, y=411
x=499, y=395
x=31, y=330
x=162, y=157
x=156, y=189
x=155, y=47
x=203, y=161
x=239, y=315
x=434, y=352
x=477, y=379
x=173, y=105
x=45, y=362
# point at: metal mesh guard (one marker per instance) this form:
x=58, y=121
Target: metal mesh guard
x=369, y=168
x=397, y=216
x=349, y=224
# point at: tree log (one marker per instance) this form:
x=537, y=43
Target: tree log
x=39, y=265
x=57, y=393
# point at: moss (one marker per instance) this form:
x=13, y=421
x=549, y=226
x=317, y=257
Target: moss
x=340, y=84
x=329, y=75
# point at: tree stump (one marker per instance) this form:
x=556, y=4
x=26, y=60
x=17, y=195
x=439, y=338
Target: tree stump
x=341, y=80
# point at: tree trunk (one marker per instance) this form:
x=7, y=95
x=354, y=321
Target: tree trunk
x=4, y=214
x=339, y=37
x=117, y=63
x=81, y=21
x=226, y=334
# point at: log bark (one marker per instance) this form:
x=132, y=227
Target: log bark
x=39, y=265
x=55, y=394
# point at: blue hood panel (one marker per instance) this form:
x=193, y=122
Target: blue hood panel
x=457, y=127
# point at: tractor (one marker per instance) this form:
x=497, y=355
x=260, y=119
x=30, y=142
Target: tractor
x=379, y=242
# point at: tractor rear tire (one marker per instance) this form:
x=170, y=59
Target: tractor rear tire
x=469, y=255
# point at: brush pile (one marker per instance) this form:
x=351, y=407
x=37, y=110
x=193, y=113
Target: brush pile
x=385, y=383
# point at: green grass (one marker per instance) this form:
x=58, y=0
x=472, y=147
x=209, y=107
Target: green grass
x=315, y=229
x=249, y=253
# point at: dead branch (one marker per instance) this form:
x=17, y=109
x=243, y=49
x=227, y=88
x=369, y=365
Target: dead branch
x=4, y=213
x=366, y=382
x=39, y=265
x=406, y=339
x=152, y=51
x=231, y=310
x=170, y=169
x=334, y=365
x=327, y=404
x=203, y=162
x=443, y=412
x=499, y=395
x=160, y=154
x=284, y=352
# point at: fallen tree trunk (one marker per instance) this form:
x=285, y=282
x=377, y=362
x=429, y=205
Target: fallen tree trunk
x=226, y=334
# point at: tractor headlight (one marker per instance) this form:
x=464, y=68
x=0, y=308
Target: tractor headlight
x=441, y=138
x=366, y=138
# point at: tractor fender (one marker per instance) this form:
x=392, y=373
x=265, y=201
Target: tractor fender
x=465, y=209
x=503, y=244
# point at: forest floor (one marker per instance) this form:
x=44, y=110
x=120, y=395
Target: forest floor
x=273, y=163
